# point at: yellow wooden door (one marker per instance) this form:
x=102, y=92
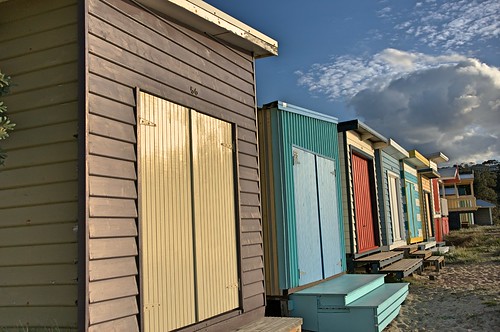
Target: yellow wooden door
x=214, y=215
x=189, y=269
x=167, y=268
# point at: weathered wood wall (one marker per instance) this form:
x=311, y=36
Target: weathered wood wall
x=38, y=185
x=128, y=48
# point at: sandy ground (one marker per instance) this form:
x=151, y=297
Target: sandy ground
x=460, y=298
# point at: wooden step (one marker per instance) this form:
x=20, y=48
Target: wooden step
x=375, y=306
x=421, y=254
x=273, y=324
x=344, y=289
x=426, y=245
x=379, y=260
x=385, y=302
x=437, y=261
x=404, y=267
x=408, y=249
x=440, y=250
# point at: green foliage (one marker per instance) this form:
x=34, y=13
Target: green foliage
x=5, y=124
x=486, y=183
x=474, y=245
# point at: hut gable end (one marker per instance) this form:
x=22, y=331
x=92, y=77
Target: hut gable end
x=130, y=48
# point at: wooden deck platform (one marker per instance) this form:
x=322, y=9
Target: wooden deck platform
x=440, y=250
x=437, y=261
x=379, y=260
x=404, y=267
x=407, y=250
x=426, y=245
x=273, y=324
x=424, y=254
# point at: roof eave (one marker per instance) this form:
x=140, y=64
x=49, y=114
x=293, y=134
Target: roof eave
x=438, y=157
x=429, y=173
x=284, y=106
x=418, y=160
x=210, y=20
x=365, y=132
x=395, y=150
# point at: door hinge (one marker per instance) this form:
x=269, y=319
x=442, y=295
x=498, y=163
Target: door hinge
x=228, y=146
x=146, y=122
x=234, y=285
x=295, y=160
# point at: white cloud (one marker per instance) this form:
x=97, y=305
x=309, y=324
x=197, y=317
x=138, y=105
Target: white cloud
x=447, y=103
x=450, y=108
x=346, y=75
x=384, y=12
x=453, y=25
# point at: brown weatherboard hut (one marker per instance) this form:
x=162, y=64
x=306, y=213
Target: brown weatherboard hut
x=130, y=199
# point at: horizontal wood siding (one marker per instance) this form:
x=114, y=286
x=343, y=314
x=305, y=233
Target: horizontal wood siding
x=426, y=184
x=130, y=47
x=38, y=185
x=384, y=163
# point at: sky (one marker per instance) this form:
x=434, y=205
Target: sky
x=425, y=73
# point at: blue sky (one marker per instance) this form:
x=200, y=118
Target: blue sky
x=425, y=73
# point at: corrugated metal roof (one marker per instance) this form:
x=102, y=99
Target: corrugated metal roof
x=284, y=106
x=484, y=204
x=448, y=172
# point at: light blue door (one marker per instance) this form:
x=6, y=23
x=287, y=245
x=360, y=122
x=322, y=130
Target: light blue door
x=306, y=217
x=328, y=215
x=414, y=225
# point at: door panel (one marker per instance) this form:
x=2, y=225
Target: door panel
x=394, y=200
x=329, y=221
x=165, y=215
x=365, y=231
x=189, y=268
x=414, y=225
x=306, y=217
x=214, y=216
x=427, y=214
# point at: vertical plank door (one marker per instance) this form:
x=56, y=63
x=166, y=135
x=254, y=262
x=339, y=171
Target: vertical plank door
x=307, y=217
x=214, y=216
x=394, y=200
x=329, y=217
x=365, y=230
x=167, y=266
x=414, y=225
